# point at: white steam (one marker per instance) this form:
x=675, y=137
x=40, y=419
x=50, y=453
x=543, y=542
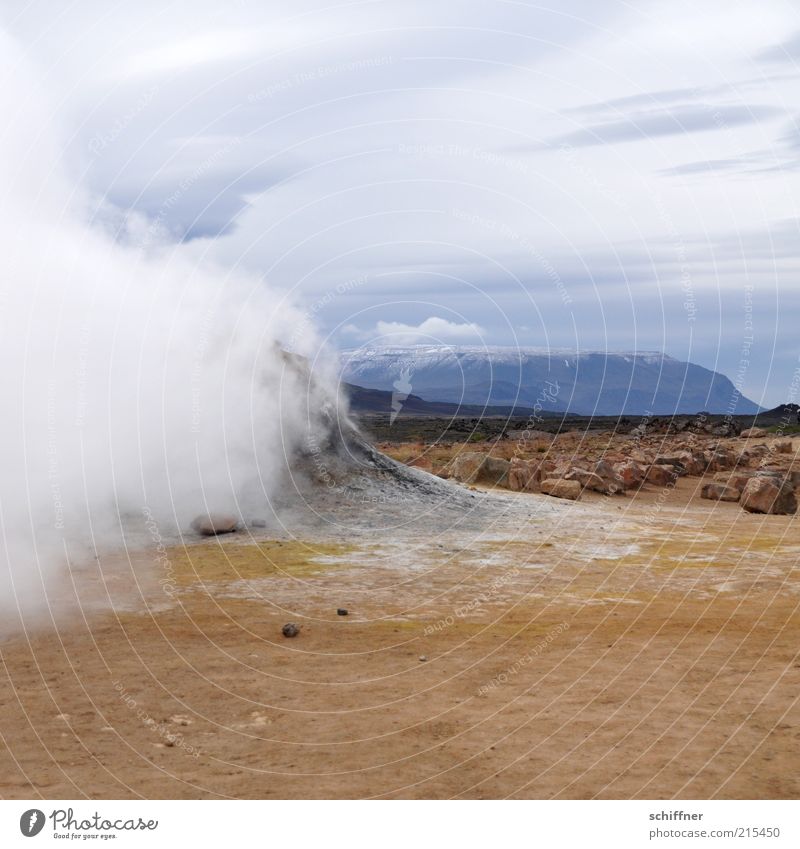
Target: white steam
x=133, y=382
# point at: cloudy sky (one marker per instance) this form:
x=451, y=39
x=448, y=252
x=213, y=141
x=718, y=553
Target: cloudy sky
x=594, y=175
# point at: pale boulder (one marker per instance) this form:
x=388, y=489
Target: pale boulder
x=465, y=466
x=475, y=467
x=591, y=480
x=560, y=488
x=524, y=475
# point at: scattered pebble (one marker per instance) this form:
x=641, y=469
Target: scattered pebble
x=290, y=630
x=422, y=658
x=341, y=611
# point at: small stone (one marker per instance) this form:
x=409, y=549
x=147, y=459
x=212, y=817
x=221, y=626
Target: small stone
x=214, y=524
x=422, y=658
x=258, y=523
x=341, y=611
x=290, y=630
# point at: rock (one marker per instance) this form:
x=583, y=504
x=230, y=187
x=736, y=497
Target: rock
x=685, y=462
x=768, y=494
x=631, y=473
x=661, y=475
x=422, y=658
x=341, y=611
x=693, y=461
x=215, y=523
x=559, y=488
x=753, y=433
x=475, y=467
x=719, y=492
x=524, y=475
x=465, y=466
x=737, y=480
x=719, y=459
x=290, y=630
x=606, y=471
x=258, y=523
x=783, y=446
x=494, y=472
x=591, y=480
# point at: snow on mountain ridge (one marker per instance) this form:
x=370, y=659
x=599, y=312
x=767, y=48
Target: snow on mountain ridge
x=496, y=353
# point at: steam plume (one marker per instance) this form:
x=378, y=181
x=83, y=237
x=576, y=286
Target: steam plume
x=132, y=380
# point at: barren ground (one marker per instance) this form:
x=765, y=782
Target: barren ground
x=619, y=647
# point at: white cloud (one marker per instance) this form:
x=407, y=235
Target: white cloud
x=432, y=330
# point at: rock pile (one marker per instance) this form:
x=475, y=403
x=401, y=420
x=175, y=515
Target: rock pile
x=562, y=472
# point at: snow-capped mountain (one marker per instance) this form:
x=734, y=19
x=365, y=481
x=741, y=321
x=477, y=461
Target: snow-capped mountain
x=591, y=382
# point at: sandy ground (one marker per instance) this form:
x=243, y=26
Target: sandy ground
x=611, y=648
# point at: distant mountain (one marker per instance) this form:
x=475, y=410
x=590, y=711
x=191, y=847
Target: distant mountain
x=556, y=380
x=364, y=400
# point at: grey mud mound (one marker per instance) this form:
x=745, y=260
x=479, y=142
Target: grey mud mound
x=344, y=483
